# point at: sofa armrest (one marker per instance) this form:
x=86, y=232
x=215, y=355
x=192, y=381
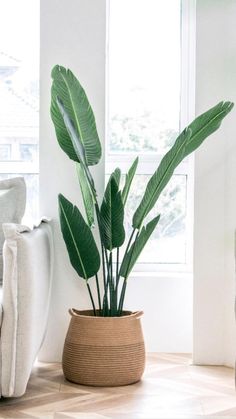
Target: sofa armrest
x=27, y=278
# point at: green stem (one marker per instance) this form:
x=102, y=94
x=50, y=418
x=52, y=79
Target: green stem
x=109, y=278
x=122, y=296
x=98, y=292
x=103, y=250
x=91, y=298
x=111, y=268
x=113, y=307
x=117, y=264
x=105, y=301
x=116, y=282
x=126, y=251
x=101, y=242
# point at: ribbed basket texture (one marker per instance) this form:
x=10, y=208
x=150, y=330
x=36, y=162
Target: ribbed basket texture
x=104, y=351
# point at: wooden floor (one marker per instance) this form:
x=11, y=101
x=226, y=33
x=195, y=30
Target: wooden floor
x=171, y=388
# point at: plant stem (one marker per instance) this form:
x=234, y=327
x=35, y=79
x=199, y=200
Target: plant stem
x=105, y=302
x=100, y=236
x=103, y=250
x=113, y=307
x=98, y=292
x=91, y=298
x=122, y=296
x=117, y=264
x=126, y=251
x=116, y=280
x=109, y=279
x=111, y=268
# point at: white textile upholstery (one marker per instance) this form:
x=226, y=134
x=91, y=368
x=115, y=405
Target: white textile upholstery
x=27, y=276
x=12, y=206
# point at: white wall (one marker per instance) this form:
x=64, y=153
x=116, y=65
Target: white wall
x=214, y=339
x=73, y=34
x=167, y=303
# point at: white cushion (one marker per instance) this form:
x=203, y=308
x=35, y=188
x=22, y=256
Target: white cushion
x=12, y=205
x=28, y=262
x=0, y=306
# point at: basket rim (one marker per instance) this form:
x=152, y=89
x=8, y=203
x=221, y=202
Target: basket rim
x=85, y=314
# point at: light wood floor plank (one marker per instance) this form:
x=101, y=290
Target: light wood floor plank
x=171, y=388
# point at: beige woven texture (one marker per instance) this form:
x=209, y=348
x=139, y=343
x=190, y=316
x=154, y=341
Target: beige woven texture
x=104, y=351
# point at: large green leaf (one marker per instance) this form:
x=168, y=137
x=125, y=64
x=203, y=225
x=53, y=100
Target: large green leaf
x=128, y=180
x=188, y=141
x=71, y=130
x=132, y=255
x=86, y=194
x=112, y=215
x=69, y=90
x=117, y=175
x=81, y=247
x=207, y=123
x=77, y=143
x=160, y=178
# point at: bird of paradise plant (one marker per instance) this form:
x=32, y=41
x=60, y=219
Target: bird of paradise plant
x=77, y=135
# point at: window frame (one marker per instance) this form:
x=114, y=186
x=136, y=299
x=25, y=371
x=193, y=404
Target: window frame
x=148, y=162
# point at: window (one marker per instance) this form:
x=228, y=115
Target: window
x=19, y=95
x=150, y=99
x=5, y=152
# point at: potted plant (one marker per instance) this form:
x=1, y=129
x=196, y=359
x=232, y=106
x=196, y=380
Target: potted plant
x=104, y=345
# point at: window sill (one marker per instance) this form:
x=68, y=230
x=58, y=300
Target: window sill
x=162, y=275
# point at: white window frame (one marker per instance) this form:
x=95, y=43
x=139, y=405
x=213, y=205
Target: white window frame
x=19, y=167
x=148, y=162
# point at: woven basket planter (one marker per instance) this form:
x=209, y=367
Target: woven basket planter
x=104, y=351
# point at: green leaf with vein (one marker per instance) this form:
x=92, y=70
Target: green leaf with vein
x=81, y=247
x=86, y=194
x=71, y=130
x=132, y=255
x=117, y=175
x=112, y=216
x=207, y=123
x=160, y=178
x=128, y=180
x=188, y=141
x=77, y=144
x=66, y=86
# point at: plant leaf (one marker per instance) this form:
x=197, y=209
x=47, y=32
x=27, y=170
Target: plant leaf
x=81, y=247
x=77, y=144
x=86, y=194
x=128, y=180
x=160, y=178
x=132, y=255
x=69, y=90
x=188, y=141
x=207, y=123
x=117, y=175
x=112, y=216
x=75, y=139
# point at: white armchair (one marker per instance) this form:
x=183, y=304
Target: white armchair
x=27, y=277
x=12, y=206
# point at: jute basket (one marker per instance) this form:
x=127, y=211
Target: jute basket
x=104, y=351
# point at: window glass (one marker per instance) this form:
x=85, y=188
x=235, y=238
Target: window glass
x=5, y=152
x=144, y=75
x=145, y=64
x=19, y=95
x=168, y=242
